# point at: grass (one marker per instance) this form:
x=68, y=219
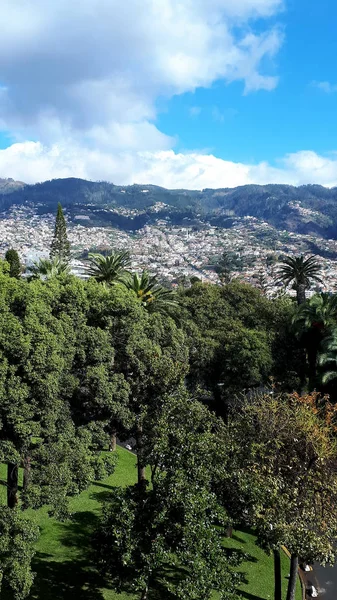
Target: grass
x=62, y=563
x=258, y=569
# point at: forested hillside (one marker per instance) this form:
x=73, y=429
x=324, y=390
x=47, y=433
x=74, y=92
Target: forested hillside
x=305, y=209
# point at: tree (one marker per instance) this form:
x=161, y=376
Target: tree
x=16, y=552
x=327, y=358
x=300, y=271
x=228, y=262
x=60, y=247
x=109, y=269
x=315, y=320
x=230, y=331
x=289, y=369
x=41, y=344
x=153, y=296
x=282, y=474
x=154, y=361
x=13, y=259
x=261, y=281
x=48, y=268
x=224, y=268
x=33, y=356
x=178, y=523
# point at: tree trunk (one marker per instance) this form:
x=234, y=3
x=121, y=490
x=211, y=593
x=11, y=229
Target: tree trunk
x=277, y=576
x=312, y=363
x=300, y=293
x=293, y=577
x=140, y=459
x=145, y=593
x=312, y=342
x=229, y=531
x=113, y=441
x=12, y=485
x=26, y=472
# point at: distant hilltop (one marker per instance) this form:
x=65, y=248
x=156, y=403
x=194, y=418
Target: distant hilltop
x=303, y=209
x=9, y=185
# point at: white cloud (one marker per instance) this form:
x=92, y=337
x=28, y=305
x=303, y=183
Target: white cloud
x=325, y=86
x=31, y=162
x=92, y=62
x=83, y=78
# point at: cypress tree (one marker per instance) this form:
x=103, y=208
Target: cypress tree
x=12, y=258
x=60, y=247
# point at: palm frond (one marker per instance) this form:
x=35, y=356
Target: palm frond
x=108, y=269
x=329, y=376
x=48, y=268
x=153, y=296
x=299, y=270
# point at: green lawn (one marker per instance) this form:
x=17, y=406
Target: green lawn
x=259, y=568
x=61, y=562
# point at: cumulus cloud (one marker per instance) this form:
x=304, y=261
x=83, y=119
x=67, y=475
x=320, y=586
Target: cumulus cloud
x=90, y=63
x=83, y=77
x=31, y=162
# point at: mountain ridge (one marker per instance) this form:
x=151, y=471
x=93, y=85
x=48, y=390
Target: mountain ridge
x=304, y=209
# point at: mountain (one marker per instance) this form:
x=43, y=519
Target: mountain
x=8, y=186
x=304, y=209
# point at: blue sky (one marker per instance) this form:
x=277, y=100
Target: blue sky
x=179, y=93
x=259, y=126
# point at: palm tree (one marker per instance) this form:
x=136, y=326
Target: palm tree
x=46, y=268
x=320, y=312
x=314, y=321
x=300, y=271
x=109, y=269
x=328, y=358
x=153, y=296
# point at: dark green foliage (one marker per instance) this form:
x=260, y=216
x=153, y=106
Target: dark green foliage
x=109, y=269
x=17, y=537
x=314, y=321
x=152, y=295
x=228, y=263
x=238, y=339
x=81, y=362
x=301, y=272
x=178, y=523
x=282, y=473
x=327, y=360
x=13, y=259
x=60, y=247
x=37, y=352
x=47, y=269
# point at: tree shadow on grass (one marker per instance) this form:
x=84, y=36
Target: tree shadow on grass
x=240, y=554
x=158, y=589
x=77, y=532
x=237, y=538
x=249, y=596
x=101, y=496
x=75, y=577
x=246, y=529
x=166, y=574
x=102, y=485
x=65, y=580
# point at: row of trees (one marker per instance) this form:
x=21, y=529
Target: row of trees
x=83, y=361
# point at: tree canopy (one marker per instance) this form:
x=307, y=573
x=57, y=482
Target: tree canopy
x=205, y=384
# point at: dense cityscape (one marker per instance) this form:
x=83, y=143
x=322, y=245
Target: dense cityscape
x=173, y=253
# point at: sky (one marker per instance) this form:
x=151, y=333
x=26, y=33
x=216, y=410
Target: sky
x=178, y=93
